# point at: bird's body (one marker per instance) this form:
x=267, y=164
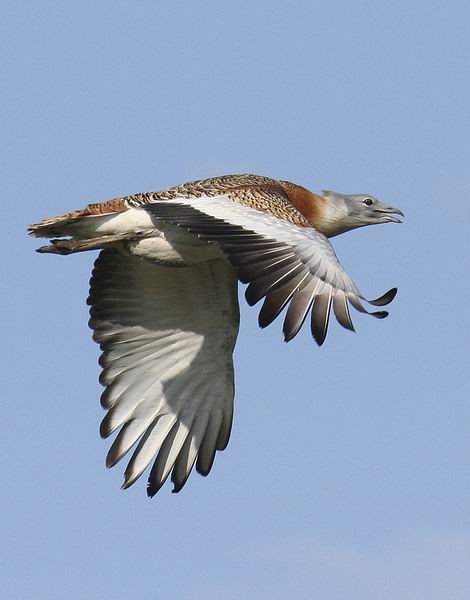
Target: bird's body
x=164, y=304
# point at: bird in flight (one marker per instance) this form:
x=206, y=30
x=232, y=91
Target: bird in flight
x=164, y=305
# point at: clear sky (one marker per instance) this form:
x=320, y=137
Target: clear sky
x=347, y=475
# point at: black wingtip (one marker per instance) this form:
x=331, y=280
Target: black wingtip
x=127, y=484
x=105, y=428
x=152, y=490
x=206, y=469
x=251, y=295
x=321, y=316
x=319, y=335
x=178, y=485
x=380, y=314
x=262, y=321
x=289, y=334
x=112, y=459
x=348, y=327
x=385, y=299
x=265, y=318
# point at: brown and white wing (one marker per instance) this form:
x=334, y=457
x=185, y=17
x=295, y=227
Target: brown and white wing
x=167, y=336
x=283, y=263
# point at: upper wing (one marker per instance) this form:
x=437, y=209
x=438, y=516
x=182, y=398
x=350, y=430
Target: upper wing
x=167, y=336
x=282, y=262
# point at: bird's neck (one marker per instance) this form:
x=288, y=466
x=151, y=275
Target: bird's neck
x=323, y=214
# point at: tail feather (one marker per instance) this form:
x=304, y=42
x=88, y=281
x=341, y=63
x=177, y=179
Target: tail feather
x=55, y=226
x=60, y=226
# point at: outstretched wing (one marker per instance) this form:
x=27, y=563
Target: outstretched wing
x=167, y=336
x=283, y=263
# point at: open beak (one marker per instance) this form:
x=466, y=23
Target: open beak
x=387, y=212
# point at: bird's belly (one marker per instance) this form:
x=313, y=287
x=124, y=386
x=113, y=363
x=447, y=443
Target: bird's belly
x=174, y=249
x=163, y=243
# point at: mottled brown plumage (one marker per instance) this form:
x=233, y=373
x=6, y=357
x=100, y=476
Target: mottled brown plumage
x=282, y=199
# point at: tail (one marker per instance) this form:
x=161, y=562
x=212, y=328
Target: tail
x=55, y=226
x=63, y=225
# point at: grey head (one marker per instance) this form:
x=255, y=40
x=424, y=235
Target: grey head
x=358, y=210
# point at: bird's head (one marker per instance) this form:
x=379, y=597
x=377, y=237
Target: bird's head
x=345, y=212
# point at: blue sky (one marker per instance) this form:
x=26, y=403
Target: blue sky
x=347, y=474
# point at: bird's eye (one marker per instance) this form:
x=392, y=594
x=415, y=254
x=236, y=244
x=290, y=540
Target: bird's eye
x=368, y=201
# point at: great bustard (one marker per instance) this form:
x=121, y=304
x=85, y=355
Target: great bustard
x=164, y=305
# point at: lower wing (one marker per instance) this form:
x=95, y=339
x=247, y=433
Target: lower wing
x=167, y=336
